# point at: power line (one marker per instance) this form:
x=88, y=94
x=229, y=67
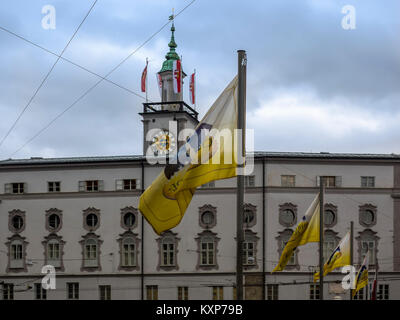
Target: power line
x=98, y=82
x=47, y=75
x=71, y=62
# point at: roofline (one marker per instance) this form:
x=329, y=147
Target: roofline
x=130, y=159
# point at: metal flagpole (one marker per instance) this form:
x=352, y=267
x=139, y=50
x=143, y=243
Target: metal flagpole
x=321, y=238
x=241, y=152
x=194, y=89
x=351, y=254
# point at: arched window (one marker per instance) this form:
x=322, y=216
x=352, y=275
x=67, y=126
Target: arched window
x=331, y=240
x=168, y=243
x=16, y=253
x=367, y=244
x=53, y=245
x=128, y=252
x=207, y=247
x=91, y=252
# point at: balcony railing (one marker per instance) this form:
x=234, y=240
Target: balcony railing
x=169, y=106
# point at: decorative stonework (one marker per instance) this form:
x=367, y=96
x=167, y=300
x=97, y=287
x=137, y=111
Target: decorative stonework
x=123, y=237
x=330, y=208
x=284, y=236
x=211, y=211
x=168, y=237
x=367, y=235
x=86, y=238
x=49, y=213
x=250, y=236
x=14, y=214
x=364, y=212
x=87, y=212
x=16, y=239
x=125, y=211
x=207, y=236
x=52, y=237
x=285, y=209
x=249, y=216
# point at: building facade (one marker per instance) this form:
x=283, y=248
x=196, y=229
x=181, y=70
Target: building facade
x=80, y=216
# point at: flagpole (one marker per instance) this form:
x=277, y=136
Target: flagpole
x=351, y=254
x=194, y=89
x=321, y=238
x=241, y=152
x=147, y=71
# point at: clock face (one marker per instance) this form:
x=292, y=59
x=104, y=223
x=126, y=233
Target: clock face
x=163, y=142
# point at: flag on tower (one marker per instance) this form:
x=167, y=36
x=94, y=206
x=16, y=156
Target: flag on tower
x=159, y=83
x=306, y=231
x=192, y=88
x=165, y=201
x=362, y=276
x=144, y=76
x=340, y=257
x=177, y=75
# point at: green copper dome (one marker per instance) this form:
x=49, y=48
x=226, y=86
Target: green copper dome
x=171, y=55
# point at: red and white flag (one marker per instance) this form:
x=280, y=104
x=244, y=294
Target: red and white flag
x=192, y=89
x=375, y=284
x=159, y=82
x=177, y=76
x=144, y=76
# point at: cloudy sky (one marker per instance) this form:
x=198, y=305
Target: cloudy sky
x=312, y=86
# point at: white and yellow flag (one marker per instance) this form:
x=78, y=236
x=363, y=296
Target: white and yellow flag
x=340, y=257
x=306, y=231
x=362, y=276
x=165, y=201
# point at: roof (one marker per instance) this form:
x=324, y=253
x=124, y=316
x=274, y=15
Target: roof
x=257, y=154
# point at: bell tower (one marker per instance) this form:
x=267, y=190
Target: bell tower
x=157, y=115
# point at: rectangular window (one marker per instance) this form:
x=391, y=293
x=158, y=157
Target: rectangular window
x=367, y=182
x=248, y=253
x=168, y=254
x=207, y=253
x=15, y=188
x=292, y=260
x=16, y=252
x=330, y=181
x=53, y=252
x=218, y=293
x=129, y=259
x=314, y=291
x=8, y=291
x=54, y=186
x=249, y=181
x=383, y=292
x=183, y=293
x=210, y=184
x=105, y=292
x=40, y=293
x=152, y=292
x=359, y=295
x=91, y=185
x=73, y=290
x=127, y=184
x=272, y=291
x=288, y=181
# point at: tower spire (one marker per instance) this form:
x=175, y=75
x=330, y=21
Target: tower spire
x=171, y=54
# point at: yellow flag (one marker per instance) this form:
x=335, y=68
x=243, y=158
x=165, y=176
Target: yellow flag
x=340, y=257
x=306, y=231
x=362, y=276
x=165, y=201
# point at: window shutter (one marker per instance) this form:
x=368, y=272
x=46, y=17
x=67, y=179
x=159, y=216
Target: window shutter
x=7, y=188
x=81, y=186
x=119, y=184
x=138, y=184
x=318, y=180
x=101, y=185
x=25, y=188
x=338, y=181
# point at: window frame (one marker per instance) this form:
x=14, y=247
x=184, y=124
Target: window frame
x=207, y=236
x=52, y=186
x=285, y=180
x=72, y=290
x=168, y=238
